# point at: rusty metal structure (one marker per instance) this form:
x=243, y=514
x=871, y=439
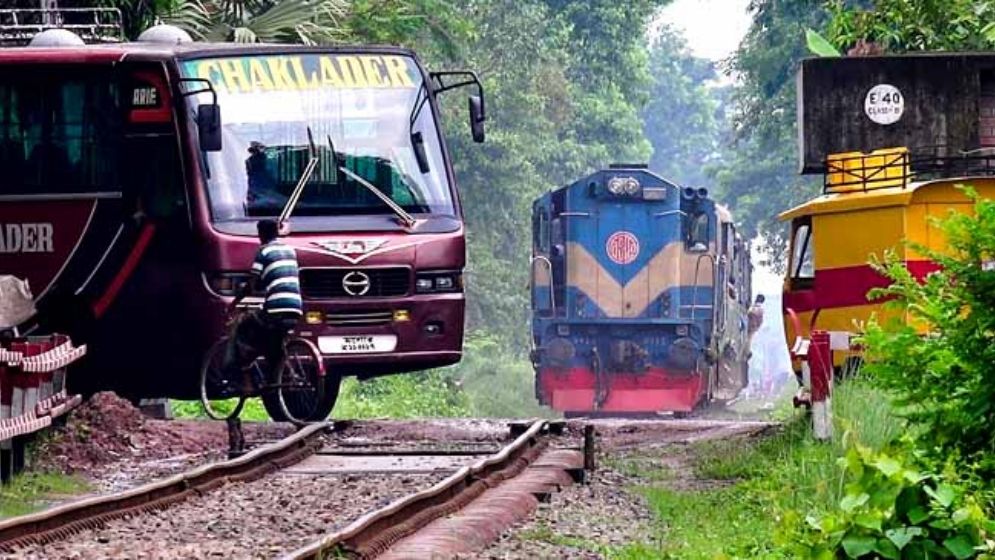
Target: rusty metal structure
x=32, y=392
x=93, y=25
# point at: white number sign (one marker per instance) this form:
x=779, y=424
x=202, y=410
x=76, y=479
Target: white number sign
x=884, y=104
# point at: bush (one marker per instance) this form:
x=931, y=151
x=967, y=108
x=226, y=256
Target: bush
x=895, y=512
x=410, y=395
x=944, y=381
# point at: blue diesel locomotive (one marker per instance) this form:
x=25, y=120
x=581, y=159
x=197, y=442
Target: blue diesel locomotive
x=640, y=292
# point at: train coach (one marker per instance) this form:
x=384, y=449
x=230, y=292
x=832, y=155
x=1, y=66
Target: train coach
x=132, y=176
x=640, y=291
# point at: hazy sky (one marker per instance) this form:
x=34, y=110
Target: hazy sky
x=713, y=28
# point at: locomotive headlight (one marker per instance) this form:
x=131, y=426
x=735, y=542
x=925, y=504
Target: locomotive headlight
x=560, y=351
x=616, y=186
x=631, y=186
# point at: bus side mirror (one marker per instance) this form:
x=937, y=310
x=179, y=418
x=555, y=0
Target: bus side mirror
x=477, y=118
x=209, y=127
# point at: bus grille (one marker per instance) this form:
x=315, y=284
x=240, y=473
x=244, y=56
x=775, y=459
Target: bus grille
x=326, y=283
x=359, y=318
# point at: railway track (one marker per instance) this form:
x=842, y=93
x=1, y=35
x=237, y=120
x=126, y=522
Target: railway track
x=311, y=496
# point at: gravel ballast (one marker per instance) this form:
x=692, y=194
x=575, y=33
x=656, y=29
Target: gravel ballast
x=261, y=519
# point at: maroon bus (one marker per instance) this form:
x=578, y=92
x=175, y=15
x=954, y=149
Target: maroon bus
x=132, y=176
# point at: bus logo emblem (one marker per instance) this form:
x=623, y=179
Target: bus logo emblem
x=351, y=246
x=356, y=283
x=622, y=247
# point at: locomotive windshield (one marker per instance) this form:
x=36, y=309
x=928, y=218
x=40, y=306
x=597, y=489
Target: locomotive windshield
x=360, y=104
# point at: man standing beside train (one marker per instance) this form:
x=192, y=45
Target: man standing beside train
x=263, y=331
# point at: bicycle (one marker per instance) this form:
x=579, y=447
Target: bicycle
x=291, y=391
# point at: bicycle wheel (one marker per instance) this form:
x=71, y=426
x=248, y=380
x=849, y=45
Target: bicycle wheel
x=220, y=395
x=300, y=389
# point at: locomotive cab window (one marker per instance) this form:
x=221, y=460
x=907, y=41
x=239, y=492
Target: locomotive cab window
x=802, y=256
x=541, y=229
x=697, y=239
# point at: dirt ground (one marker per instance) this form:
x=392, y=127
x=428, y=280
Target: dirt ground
x=110, y=444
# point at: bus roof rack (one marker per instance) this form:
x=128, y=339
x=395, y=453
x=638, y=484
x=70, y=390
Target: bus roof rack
x=93, y=25
x=897, y=167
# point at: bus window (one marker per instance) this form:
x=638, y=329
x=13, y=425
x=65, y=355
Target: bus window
x=57, y=132
x=802, y=257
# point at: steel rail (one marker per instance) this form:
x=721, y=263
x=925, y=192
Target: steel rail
x=62, y=521
x=375, y=532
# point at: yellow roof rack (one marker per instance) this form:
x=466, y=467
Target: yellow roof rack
x=861, y=172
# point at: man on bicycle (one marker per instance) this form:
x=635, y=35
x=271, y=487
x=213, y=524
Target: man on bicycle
x=262, y=332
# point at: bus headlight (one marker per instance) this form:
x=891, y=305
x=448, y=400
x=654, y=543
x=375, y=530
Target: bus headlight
x=226, y=284
x=438, y=282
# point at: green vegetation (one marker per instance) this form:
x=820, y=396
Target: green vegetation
x=253, y=411
x=402, y=396
x=736, y=501
x=30, y=492
x=945, y=383
x=923, y=25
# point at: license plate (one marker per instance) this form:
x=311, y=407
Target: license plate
x=357, y=344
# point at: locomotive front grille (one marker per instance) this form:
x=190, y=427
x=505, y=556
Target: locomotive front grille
x=350, y=283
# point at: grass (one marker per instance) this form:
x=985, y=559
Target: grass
x=412, y=395
x=29, y=492
x=542, y=532
x=737, y=515
x=253, y=411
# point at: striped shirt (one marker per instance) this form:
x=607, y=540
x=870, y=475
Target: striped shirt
x=276, y=268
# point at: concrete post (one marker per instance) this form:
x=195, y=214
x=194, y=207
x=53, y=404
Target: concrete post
x=820, y=359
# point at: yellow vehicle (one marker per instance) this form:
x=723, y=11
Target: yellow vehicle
x=871, y=203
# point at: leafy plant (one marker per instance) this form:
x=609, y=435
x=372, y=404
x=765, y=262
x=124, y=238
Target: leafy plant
x=818, y=45
x=901, y=25
x=261, y=21
x=943, y=380
x=895, y=512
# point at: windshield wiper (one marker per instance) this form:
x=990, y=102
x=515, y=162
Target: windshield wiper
x=295, y=196
x=406, y=219
x=417, y=139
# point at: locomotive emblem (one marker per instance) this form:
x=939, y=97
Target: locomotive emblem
x=622, y=247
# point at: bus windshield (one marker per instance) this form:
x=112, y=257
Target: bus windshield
x=360, y=104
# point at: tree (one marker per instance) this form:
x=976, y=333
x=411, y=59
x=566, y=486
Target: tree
x=551, y=119
x=921, y=25
x=258, y=21
x=758, y=174
x=681, y=119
